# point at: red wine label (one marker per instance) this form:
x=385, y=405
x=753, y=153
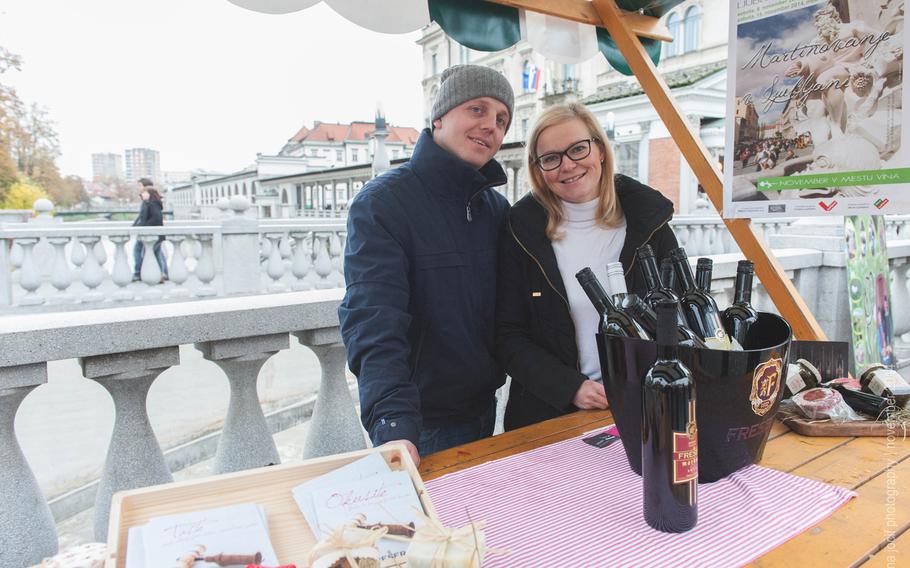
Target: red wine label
x=765, y=386
x=685, y=453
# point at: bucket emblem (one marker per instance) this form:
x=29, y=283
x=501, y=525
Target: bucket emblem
x=765, y=386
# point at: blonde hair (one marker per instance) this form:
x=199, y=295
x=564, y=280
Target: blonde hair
x=609, y=212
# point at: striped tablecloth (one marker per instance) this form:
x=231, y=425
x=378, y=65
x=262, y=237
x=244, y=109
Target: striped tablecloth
x=572, y=504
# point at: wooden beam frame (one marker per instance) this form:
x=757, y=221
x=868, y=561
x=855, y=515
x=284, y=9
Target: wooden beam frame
x=624, y=28
x=583, y=11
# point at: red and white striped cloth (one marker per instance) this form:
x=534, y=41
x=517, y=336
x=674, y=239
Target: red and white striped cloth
x=572, y=504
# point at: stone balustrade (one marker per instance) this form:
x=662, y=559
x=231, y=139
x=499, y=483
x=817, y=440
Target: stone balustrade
x=124, y=349
x=46, y=265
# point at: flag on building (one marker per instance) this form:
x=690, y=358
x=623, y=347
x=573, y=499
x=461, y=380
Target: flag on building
x=531, y=79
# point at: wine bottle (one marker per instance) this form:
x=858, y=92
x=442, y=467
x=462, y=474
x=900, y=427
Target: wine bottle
x=669, y=435
x=699, y=308
x=616, y=280
x=740, y=315
x=613, y=321
x=657, y=288
x=668, y=276
x=703, y=271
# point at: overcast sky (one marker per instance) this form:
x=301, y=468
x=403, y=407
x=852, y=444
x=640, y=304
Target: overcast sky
x=204, y=82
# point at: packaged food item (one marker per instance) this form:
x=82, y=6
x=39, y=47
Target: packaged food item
x=887, y=383
x=846, y=382
x=823, y=403
x=801, y=376
x=435, y=545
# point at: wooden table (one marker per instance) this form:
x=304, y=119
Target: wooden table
x=876, y=468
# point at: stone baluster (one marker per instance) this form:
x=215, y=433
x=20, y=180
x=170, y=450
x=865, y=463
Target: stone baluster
x=301, y=263
x=900, y=298
x=77, y=253
x=335, y=426
x=6, y=272
x=29, y=279
x=61, y=276
x=246, y=441
x=323, y=263
x=150, y=273
x=27, y=531
x=134, y=458
x=240, y=251
x=265, y=247
x=275, y=265
x=100, y=252
x=682, y=234
x=178, y=272
x=696, y=244
x=92, y=272
x=205, y=266
x=717, y=238
x=336, y=251
x=284, y=247
x=121, y=275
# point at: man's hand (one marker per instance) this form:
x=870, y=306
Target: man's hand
x=591, y=396
x=412, y=449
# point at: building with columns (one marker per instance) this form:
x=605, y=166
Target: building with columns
x=693, y=66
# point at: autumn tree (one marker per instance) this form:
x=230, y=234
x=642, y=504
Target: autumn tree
x=21, y=195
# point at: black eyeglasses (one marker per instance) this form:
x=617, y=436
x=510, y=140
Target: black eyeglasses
x=577, y=151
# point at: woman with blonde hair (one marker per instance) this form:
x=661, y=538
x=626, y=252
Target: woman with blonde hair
x=579, y=213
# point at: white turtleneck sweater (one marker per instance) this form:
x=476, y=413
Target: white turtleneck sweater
x=586, y=244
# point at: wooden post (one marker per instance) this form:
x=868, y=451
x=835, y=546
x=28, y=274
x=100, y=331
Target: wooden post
x=780, y=289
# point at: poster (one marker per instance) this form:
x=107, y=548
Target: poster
x=815, y=104
x=868, y=288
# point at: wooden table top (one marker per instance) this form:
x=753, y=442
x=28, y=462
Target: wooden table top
x=877, y=469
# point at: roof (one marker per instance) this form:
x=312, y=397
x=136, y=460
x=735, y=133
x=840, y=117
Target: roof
x=674, y=79
x=356, y=131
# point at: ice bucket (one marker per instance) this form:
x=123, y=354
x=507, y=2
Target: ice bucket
x=737, y=393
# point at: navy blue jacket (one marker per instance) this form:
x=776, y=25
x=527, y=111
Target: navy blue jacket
x=418, y=315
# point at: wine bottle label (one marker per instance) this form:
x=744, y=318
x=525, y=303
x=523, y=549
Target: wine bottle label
x=720, y=340
x=685, y=454
x=766, y=384
x=886, y=379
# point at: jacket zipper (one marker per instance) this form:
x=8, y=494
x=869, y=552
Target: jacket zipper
x=635, y=254
x=468, y=215
x=545, y=277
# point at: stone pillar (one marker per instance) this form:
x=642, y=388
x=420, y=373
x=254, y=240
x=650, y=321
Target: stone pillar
x=27, y=531
x=246, y=441
x=644, y=144
x=240, y=250
x=6, y=275
x=335, y=426
x=134, y=458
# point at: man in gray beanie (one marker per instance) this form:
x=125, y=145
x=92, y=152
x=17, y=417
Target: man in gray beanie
x=420, y=268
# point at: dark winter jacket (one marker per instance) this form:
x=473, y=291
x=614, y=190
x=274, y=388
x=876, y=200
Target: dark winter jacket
x=150, y=214
x=535, y=334
x=418, y=315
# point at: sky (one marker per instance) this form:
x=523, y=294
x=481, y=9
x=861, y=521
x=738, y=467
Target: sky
x=206, y=83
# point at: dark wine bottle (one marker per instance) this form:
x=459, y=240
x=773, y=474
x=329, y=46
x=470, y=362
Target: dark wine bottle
x=668, y=276
x=703, y=271
x=616, y=281
x=613, y=321
x=699, y=308
x=740, y=315
x=657, y=288
x=669, y=435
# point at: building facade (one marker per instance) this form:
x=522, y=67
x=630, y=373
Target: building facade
x=142, y=163
x=332, y=145
x=693, y=65
x=107, y=167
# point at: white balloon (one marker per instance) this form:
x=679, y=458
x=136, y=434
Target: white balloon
x=386, y=16
x=274, y=6
x=558, y=39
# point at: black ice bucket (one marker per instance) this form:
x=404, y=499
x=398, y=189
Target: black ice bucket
x=737, y=393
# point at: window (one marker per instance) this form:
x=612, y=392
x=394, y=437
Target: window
x=339, y=155
x=672, y=48
x=690, y=29
x=395, y=154
x=355, y=155
x=626, y=156
x=524, y=128
x=314, y=152
x=434, y=65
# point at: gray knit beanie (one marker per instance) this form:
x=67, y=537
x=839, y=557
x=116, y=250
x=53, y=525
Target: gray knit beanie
x=462, y=83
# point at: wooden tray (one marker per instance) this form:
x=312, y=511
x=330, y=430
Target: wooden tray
x=851, y=428
x=268, y=486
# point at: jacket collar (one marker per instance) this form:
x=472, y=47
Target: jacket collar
x=645, y=210
x=448, y=176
